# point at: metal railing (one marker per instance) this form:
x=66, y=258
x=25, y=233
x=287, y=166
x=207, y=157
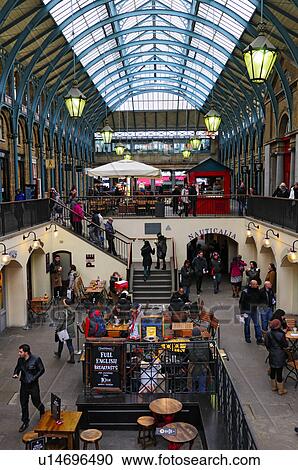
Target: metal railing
x=18, y=215
x=238, y=431
x=94, y=233
x=277, y=211
x=157, y=205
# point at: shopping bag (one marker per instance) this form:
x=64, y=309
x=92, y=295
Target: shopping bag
x=69, y=294
x=63, y=335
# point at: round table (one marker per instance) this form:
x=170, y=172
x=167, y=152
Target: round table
x=165, y=406
x=185, y=433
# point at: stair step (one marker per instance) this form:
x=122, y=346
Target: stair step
x=153, y=295
x=154, y=272
x=152, y=282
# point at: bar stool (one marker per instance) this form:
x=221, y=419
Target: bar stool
x=27, y=437
x=90, y=436
x=146, y=433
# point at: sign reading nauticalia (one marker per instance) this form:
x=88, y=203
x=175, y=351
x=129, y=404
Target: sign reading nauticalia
x=212, y=230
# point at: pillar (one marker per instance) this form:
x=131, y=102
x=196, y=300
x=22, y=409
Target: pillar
x=279, y=168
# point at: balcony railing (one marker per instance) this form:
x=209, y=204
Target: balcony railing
x=15, y=216
x=277, y=211
x=163, y=205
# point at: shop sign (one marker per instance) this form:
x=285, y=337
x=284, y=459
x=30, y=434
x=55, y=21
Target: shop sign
x=214, y=231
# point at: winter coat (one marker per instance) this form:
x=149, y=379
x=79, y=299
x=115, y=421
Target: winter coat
x=271, y=276
x=253, y=274
x=235, y=270
x=161, y=247
x=185, y=277
x=199, y=265
x=146, y=252
x=69, y=325
x=267, y=297
x=275, y=342
x=249, y=300
x=30, y=370
x=216, y=267
x=110, y=231
x=71, y=279
x=279, y=193
x=78, y=213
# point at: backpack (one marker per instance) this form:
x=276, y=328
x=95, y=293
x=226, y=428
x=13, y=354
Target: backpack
x=97, y=326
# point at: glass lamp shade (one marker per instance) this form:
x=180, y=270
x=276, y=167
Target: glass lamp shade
x=127, y=156
x=36, y=244
x=266, y=242
x=5, y=258
x=186, y=154
x=195, y=142
x=75, y=101
x=259, y=58
x=212, y=120
x=248, y=233
x=107, y=133
x=292, y=256
x=119, y=149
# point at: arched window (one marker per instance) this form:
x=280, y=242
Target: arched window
x=2, y=128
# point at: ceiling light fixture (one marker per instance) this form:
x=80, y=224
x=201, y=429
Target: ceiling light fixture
x=266, y=241
x=260, y=55
x=75, y=100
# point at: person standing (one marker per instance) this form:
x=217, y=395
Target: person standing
x=95, y=228
x=175, y=193
x=294, y=191
x=186, y=277
x=276, y=343
x=31, y=369
x=146, y=252
x=200, y=268
x=249, y=302
x=66, y=322
x=72, y=275
x=253, y=273
x=236, y=276
x=271, y=276
x=77, y=217
x=110, y=235
x=216, y=269
x=185, y=199
x=161, y=251
x=267, y=306
x=193, y=199
x=241, y=193
x=56, y=275
x=281, y=191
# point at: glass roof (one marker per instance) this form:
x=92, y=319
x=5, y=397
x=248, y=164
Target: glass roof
x=170, y=50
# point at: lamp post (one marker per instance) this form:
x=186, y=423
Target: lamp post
x=260, y=55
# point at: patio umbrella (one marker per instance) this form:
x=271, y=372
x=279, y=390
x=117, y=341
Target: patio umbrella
x=124, y=168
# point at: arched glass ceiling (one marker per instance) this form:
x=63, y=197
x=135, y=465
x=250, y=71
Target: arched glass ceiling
x=126, y=45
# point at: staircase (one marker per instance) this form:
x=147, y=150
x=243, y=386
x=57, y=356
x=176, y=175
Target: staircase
x=156, y=290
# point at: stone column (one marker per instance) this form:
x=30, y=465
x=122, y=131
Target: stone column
x=279, y=168
x=267, y=171
x=293, y=162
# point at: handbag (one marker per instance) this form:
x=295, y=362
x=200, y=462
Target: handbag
x=63, y=334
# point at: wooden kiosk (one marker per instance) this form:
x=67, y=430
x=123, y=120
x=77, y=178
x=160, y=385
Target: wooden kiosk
x=214, y=182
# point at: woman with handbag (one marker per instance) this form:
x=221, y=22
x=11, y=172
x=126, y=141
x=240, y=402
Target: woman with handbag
x=276, y=343
x=65, y=331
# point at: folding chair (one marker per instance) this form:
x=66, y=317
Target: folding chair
x=292, y=367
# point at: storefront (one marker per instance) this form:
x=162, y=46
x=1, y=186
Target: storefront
x=213, y=183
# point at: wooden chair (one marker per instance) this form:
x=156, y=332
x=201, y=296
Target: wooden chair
x=28, y=437
x=146, y=435
x=79, y=290
x=90, y=436
x=291, y=323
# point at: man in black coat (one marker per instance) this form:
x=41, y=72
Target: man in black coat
x=267, y=304
x=200, y=267
x=146, y=252
x=31, y=368
x=249, y=302
x=193, y=199
x=161, y=251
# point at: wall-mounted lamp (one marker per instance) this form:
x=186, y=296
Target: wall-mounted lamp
x=5, y=257
x=266, y=241
x=248, y=231
x=293, y=254
x=55, y=229
x=36, y=242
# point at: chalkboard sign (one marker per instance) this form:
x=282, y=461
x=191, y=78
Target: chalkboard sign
x=152, y=325
x=55, y=407
x=107, y=366
x=37, y=444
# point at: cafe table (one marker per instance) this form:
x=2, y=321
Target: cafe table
x=164, y=409
x=96, y=287
x=185, y=434
x=48, y=427
x=292, y=337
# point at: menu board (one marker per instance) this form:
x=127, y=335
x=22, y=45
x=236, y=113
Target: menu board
x=107, y=366
x=55, y=407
